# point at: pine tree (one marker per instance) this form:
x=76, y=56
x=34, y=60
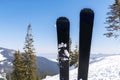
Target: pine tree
x=70, y=52
x=113, y=20
x=30, y=58
x=18, y=67
x=74, y=56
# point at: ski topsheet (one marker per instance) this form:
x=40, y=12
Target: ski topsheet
x=63, y=46
x=86, y=26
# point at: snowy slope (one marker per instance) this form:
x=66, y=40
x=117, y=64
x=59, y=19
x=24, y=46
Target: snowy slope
x=2, y=57
x=6, y=56
x=101, y=68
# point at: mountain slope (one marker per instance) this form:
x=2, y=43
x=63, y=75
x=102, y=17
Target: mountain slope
x=45, y=66
x=106, y=68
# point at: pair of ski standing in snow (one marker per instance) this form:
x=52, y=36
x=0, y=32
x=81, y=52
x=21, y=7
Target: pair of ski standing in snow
x=85, y=36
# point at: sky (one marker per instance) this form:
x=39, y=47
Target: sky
x=16, y=15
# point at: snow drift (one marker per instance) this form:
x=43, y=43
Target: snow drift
x=100, y=68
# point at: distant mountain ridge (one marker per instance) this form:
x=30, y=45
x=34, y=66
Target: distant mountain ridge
x=45, y=66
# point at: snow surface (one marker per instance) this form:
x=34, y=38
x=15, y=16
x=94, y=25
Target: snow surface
x=62, y=45
x=2, y=57
x=103, y=68
x=66, y=53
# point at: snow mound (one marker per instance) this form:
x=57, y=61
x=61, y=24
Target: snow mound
x=107, y=68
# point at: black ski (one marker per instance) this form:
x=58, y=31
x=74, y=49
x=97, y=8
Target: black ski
x=86, y=26
x=63, y=46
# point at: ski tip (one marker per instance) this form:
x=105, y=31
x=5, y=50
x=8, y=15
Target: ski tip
x=62, y=19
x=62, y=22
x=87, y=11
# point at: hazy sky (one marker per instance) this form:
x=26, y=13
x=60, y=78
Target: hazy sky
x=15, y=15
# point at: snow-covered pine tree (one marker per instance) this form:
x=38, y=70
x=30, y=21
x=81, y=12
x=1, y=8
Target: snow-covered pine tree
x=30, y=58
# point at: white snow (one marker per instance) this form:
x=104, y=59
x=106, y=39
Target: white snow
x=66, y=53
x=62, y=45
x=2, y=57
x=105, y=68
x=1, y=50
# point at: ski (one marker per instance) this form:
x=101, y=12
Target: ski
x=63, y=24
x=85, y=36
